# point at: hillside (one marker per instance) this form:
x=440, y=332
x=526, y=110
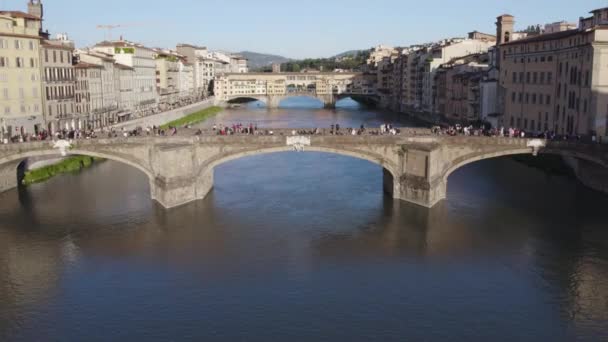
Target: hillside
x=260, y=60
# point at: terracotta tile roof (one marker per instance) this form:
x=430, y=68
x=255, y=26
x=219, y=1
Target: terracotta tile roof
x=19, y=14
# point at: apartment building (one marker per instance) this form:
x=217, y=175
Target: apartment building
x=59, y=105
x=556, y=81
x=21, y=106
x=143, y=99
x=457, y=87
x=88, y=94
x=105, y=111
x=167, y=78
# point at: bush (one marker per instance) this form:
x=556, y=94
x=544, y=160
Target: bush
x=193, y=118
x=68, y=165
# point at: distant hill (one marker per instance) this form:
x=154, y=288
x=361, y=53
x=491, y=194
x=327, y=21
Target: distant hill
x=353, y=53
x=260, y=60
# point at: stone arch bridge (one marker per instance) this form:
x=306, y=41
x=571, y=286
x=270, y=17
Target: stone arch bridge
x=416, y=167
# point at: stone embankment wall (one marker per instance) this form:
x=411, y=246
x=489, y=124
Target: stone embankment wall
x=163, y=118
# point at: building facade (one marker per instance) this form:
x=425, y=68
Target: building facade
x=21, y=107
x=556, y=81
x=59, y=105
x=143, y=99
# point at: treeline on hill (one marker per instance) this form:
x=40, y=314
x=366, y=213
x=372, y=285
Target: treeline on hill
x=349, y=62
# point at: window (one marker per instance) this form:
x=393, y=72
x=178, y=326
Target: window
x=587, y=78
x=21, y=93
x=527, y=98
x=3, y=44
x=549, y=77
x=585, y=106
x=535, y=77
x=19, y=61
x=32, y=64
x=54, y=56
x=22, y=108
x=18, y=44
x=513, y=97
x=548, y=100
x=542, y=78
x=35, y=92
x=3, y=62
x=31, y=44
x=46, y=56
x=528, y=77
x=533, y=98
x=514, y=77
x=5, y=93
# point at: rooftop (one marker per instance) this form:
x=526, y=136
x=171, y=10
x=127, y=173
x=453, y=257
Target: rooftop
x=19, y=14
x=543, y=37
x=83, y=65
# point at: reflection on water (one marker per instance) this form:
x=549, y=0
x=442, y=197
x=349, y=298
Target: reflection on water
x=304, y=246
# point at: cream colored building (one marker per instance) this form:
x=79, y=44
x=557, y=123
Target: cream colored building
x=21, y=108
x=89, y=94
x=167, y=78
x=104, y=107
x=558, y=81
x=59, y=82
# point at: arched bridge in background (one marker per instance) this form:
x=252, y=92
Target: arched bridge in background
x=416, y=165
x=272, y=88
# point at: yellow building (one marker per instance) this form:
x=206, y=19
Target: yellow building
x=20, y=70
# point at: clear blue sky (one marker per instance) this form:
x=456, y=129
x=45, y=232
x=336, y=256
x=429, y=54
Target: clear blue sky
x=309, y=28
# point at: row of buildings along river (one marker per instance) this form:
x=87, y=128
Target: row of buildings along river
x=49, y=84
x=546, y=78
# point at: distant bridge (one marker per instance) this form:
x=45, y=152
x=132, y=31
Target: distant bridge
x=272, y=88
x=416, y=167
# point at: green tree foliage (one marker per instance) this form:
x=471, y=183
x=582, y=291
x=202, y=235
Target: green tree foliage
x=350, y=62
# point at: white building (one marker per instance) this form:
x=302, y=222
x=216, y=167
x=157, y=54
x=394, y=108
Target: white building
x=185, y=81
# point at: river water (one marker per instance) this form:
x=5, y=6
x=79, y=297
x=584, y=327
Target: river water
x=305, y=247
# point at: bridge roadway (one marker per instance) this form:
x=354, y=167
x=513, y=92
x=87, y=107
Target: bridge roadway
x=416, y=164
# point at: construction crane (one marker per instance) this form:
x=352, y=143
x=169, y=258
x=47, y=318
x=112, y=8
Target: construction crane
x=110, y=28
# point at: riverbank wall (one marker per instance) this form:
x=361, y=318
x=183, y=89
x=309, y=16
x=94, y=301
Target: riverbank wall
x=168, y=116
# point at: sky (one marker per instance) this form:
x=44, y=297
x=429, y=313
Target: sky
x=294, y=29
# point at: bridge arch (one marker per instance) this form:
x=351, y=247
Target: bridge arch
x=474, y=157
x=10, y=164
x=244, y=98
x=204, y=176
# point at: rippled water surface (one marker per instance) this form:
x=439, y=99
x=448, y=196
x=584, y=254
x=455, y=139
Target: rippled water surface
x=304, y=246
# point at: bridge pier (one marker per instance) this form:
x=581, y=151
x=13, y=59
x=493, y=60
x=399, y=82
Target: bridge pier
x=8, y=176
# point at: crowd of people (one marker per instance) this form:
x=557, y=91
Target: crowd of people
x=459, y=130
x=252, y=129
